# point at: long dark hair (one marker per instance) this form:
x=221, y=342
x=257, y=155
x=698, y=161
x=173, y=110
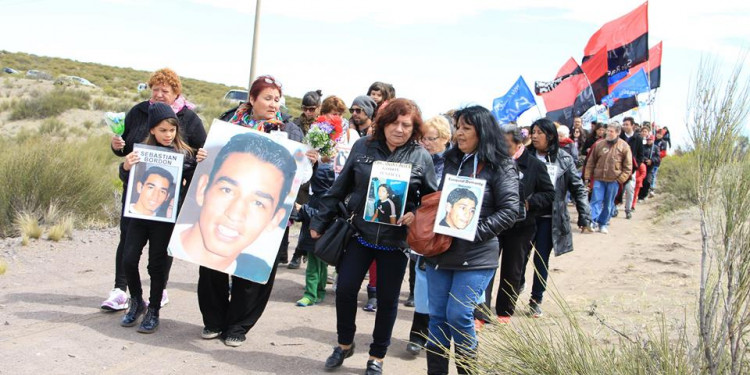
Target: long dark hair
x=492, y=148
x=548, y=128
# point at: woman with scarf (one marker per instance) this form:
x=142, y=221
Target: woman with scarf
x=165, y=88
x=232, y=313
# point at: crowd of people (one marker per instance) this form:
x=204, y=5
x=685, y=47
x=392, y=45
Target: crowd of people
x=531, y=175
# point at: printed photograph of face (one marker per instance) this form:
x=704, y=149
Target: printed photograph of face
x=460, y=208
x=152, y=192
x=240, y=199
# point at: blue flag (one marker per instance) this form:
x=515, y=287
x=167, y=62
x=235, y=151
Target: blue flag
x=636, y=84
x=516, y=101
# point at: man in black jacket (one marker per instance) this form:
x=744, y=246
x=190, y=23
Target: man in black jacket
x=635, y=142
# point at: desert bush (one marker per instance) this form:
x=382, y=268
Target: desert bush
x=100, y=104
x=678, y=176
x=88, y=124
x=51, y=104
x=27, y=224
x=8, y=104
x=52, y=126
x=63, y=228
x=76, y=175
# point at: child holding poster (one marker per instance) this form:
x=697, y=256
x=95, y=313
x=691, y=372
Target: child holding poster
x=155, y=189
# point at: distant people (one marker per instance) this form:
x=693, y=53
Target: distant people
x=394, y=139
x=566, y=143
x=382, y=93
x=310, y=110
x=553, y=230
x=164, y=132
x=457, y=276
x=362, y=112
x=153, y=189
x=610, y=164
x=459, y=209
x=652, y=160
x=634, y=140
x=227, y=312
x=165, y=88
x=597, y=133
x=661, y=145
x=538, y=193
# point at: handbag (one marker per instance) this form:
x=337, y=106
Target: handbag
x=332, y=244
x=421, y=238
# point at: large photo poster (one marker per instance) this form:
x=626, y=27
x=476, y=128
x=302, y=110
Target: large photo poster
x=386, y=193
x=459, y=207
x=239, y=201
x=153, y=184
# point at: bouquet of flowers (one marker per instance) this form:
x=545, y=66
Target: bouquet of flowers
x=116, y=122
x=324, y=133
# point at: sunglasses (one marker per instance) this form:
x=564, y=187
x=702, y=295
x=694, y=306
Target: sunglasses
x=271, y=81
x=356, y=110
x=309, y=109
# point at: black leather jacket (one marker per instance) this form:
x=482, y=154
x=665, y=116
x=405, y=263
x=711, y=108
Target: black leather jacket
x=499, y=212
x=351, y=187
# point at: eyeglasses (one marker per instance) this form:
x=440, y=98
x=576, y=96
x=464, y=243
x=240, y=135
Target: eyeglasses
x=431, y=139
x=309, y=108
x=355, y=110
x=271, y=81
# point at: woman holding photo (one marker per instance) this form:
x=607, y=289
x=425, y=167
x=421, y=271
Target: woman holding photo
x=165, y=88
x=458, y=276
x=163, y=132
x=394, y=139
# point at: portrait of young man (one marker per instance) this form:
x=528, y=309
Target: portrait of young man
x=153, y=189
x=459, y=209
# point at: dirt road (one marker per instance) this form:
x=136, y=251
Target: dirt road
x=50, y=319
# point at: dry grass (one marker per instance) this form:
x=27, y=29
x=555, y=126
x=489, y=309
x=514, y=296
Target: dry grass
x=27, y=224
x=3, y=266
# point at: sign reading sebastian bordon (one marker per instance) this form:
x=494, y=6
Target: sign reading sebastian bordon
x=239, y=201
x=153, y=184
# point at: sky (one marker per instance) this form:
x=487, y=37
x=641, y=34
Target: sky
x=441, y=54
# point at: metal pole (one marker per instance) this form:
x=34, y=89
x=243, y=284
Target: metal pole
x=253, y=58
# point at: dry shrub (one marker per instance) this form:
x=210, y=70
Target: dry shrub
x=50, y=104
x=27, y=224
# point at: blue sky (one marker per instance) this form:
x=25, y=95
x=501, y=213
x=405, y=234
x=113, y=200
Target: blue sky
x=442, y=54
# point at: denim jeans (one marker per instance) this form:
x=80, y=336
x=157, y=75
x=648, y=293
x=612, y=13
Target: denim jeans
x=654, y=172
x=453, y=295
x=602, y=201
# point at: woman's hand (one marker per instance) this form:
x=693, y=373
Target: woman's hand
x=407, y=219
x=132, y=159
x=314, y=234
x=312, y=155
x=201, y=155
x=117, y=142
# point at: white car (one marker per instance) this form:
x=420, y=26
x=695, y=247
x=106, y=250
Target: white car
x=82, y=81
x=236, y=96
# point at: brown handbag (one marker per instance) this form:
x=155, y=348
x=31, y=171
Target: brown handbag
x=421, y=238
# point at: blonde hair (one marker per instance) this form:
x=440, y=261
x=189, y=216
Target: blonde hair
x=332, y=103
x=441, y=125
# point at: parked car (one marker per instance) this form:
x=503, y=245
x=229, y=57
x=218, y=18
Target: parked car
x=142, y=86
x=236, y=96
x=10, y=70
x=73, y=80
x=38, y=74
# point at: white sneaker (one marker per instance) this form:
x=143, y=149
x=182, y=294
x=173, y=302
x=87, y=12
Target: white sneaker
x=164, y=299
x=603, y=229
x=117, y=300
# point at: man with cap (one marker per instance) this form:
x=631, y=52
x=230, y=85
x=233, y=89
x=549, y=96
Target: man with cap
x=310, y=110
x=362, y=110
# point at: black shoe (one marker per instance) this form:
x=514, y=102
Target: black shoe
x=210, y=333
x=437, y=364
x=374, y=367
x=413, y=349
x=336, y=359
x=628, y=215
x=294, y=264
x=131, y=317
x=615, y=212
x=150, y=322
x=234, y=341
x=410, y=301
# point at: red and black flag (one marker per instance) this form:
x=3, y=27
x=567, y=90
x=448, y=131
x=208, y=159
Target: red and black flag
x=623, y=105
x=654, y=63
x=625, y=38
x=652, y=66
x=569, y=68
x=570, y=97
x=595, y=69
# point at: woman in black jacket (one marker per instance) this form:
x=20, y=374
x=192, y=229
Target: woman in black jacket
x=458, y=276
x=394, y=139
x=165, y=88
x=553, y=225
x=515, y=244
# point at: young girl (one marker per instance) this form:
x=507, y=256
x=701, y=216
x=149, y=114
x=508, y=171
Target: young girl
x=164, y=132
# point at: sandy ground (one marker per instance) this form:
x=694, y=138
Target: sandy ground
x=50, y=319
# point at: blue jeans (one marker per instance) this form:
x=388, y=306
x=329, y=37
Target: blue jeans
x=654, y=171
x=453, y=295
x=602, y=201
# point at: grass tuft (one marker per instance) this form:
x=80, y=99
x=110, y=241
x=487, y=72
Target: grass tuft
x=50, y=104
x=27, y=225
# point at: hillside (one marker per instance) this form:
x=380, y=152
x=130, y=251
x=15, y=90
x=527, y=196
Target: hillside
x=116, y=91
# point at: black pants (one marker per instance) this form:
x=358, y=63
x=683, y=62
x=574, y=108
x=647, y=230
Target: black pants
x=412, y=275
x=646, y=187
x=420, y=327
x=515, y=246
x=233, y=311
x=121, y=281
x=283, y=255
x=390, y=273
x=157, y=235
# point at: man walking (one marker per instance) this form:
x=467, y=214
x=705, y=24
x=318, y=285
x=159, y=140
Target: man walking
x=611, y=164
x=635, y=141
